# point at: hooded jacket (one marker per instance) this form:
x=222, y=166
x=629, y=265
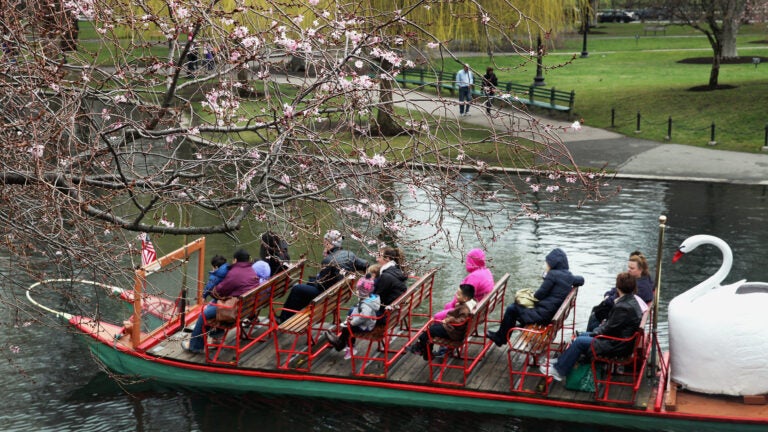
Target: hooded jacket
x=363, y=315
x=558, y=282
x=215, y=276
x=479, y=276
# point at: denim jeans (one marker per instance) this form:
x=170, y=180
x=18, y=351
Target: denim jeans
x=571, y=355
x=465, y=96
x=196, y=343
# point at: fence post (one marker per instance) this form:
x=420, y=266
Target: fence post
x=712, y=135
x=613, y=118
x=637, y=129
x=669, y=129
x=765, y=144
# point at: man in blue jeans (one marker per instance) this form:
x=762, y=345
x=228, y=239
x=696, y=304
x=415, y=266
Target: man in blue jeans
x=623, y=321
x=465, y=81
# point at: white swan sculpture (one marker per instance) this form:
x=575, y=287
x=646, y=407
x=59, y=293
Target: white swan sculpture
x=718, y=334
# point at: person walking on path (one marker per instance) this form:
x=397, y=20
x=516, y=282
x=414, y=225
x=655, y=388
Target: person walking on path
x=465, y=81
x=490, y=82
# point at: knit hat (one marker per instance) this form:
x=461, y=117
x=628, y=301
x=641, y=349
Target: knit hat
x=333, y=237
x=364, y=287
x=261, y=268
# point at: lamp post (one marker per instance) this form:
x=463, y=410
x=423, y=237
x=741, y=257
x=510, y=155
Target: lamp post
x=538, y=80
x=585, y=29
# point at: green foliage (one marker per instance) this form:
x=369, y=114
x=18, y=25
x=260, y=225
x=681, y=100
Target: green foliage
x=646, y=76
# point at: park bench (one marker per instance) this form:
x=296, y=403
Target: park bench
x=535, y=341
x=247, y=323
x=470, y=349
x=541, y=97
x=395, y=325
x=654, y=28
x=621, y=372
x=306, y=326
x=427, y=78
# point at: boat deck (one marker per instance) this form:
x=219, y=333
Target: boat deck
x=490, y=376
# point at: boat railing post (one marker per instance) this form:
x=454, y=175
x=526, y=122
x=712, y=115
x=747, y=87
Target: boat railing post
x=653, y=361
x=138, y=288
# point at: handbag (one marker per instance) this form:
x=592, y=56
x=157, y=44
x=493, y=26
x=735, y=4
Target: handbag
x=525, y=298
x=227, y=315
x=580, y=378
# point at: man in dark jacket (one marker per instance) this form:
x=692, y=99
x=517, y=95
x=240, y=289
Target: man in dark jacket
x=558, y=282
x=336, y=261
x=623, y=321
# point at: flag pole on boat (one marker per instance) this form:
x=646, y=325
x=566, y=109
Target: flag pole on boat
x=656, y=296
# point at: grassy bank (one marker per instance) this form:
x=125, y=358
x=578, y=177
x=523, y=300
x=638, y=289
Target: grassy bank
x=625, y=76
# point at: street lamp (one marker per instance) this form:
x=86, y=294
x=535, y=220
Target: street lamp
x=585, y=29
x=538, y=80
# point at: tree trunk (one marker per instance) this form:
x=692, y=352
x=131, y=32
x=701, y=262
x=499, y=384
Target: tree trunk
x=385, y=122
x=714, y=73
x=732, y=13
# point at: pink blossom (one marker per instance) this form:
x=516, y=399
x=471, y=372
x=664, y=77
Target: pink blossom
x=314, y=2
x=576, y=125
x=433, y=45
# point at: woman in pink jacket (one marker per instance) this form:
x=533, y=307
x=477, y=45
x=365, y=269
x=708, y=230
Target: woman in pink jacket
x=478, y=276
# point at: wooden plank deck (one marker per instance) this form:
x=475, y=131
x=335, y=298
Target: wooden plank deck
x=491, y=375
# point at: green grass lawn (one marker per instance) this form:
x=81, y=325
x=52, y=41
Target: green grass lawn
x=625, y=76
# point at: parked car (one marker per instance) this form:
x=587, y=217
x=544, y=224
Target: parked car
x=615, y=15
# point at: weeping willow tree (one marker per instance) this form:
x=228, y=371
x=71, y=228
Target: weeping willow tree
x=490, y=24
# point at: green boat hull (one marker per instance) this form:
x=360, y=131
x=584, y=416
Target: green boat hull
x=277, y=383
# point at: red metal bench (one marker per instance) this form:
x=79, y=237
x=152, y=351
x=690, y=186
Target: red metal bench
x=536, y=341
x=471, y=349
x=307, y=325
x=395, y=325
x=247, y=324
x=622, y=372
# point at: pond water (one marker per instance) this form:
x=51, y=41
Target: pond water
x=51, y=384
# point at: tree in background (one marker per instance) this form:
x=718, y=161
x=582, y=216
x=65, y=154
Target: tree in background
x=718, y=20
x=118, y=141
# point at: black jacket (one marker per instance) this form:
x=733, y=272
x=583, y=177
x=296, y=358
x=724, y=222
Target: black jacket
x=390, y=285
x=557, y=284
x=623, y=321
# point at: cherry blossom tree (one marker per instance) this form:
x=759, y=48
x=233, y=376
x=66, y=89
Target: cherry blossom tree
x=120, y=129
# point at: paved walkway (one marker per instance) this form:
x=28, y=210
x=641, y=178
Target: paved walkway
x=629, y=157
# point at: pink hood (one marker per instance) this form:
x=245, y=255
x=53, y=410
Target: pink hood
x=475, y=260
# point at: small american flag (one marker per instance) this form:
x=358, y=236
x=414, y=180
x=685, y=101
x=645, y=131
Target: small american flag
x=148, y=254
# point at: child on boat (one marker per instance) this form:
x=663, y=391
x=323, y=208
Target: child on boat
x=362, y=317
x=454, y=326
x=220, y=268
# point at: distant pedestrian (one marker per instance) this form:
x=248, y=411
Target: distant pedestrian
x=465, y=81
x=209, y=57
x=490, y=82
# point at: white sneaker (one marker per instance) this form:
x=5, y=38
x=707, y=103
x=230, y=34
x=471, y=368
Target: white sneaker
x=348, y=354
x=551, y=372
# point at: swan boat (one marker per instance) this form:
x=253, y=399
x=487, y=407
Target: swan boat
x=156, y=354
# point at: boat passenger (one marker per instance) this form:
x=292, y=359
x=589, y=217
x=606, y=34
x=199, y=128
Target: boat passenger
x=453, y=327
x=336, y=261
x=238, y=281
x=362, y=317
x=220, y=267
x=274, y=250
x=623, y=321
x=391, y=282
x=637, y=266
x=557, y=284
x=478, y=275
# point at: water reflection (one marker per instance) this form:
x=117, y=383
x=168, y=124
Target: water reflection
x=50, y=384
